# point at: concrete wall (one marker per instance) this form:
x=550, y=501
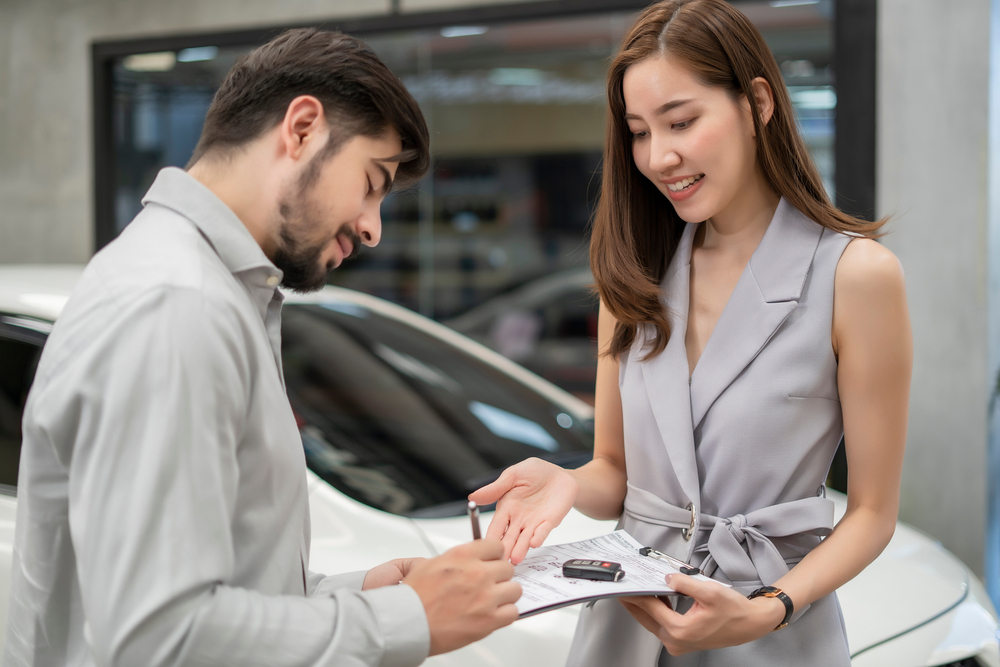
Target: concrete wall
x=932, y=155
x=933, y=68
x=46, y=184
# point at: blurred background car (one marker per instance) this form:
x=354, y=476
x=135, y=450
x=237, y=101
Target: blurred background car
x=548, y=325
x=401, y=417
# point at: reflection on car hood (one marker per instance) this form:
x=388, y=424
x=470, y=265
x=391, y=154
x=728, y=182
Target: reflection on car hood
x=913, y=581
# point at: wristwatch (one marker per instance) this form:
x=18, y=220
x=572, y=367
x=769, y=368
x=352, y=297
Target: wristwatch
x=772, y=592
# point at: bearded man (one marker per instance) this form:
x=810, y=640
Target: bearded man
x=162, y=503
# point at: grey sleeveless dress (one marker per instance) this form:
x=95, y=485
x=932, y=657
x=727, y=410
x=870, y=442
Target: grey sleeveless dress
x=726, y=469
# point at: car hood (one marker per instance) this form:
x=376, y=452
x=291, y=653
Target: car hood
x=912, y=582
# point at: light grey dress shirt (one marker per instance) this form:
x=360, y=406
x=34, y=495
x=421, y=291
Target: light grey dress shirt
x=163, y=515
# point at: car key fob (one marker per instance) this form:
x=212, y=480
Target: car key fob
x=599, y=570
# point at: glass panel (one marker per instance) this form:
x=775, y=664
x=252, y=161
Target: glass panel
x=18, y=361
x=405, y=422
x=516, y=112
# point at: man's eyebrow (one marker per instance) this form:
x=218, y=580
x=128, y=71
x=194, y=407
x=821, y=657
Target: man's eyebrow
x=662, y=109
x=387, y=183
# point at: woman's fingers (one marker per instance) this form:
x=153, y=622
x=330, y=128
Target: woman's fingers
x=704, y=592
x=542, y=531
x=498, y=524
x=520, y=549
x=494, y=491
x=655, y=615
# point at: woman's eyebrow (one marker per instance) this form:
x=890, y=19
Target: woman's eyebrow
x=662, y=109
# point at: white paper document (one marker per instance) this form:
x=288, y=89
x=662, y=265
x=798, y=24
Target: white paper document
x=545, y=588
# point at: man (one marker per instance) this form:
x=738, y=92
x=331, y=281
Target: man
x=162, y=508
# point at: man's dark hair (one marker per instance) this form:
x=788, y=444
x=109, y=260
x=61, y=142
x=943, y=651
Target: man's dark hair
x=360, y=97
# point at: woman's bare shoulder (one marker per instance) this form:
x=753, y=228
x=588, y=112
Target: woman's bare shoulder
x=866, y=268
x=869, y=296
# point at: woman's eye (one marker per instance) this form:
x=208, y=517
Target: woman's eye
x=682, y=125
x=639, y=134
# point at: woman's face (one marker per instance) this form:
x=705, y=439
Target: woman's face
x=694, y=142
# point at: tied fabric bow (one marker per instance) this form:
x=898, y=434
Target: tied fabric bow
x=760, y=558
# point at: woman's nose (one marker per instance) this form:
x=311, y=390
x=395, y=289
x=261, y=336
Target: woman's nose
x=662, y=154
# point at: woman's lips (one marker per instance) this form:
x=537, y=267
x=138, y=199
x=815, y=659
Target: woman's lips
x=685, y=193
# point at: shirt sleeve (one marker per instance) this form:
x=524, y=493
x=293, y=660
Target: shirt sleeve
x=148, y=420
x=320, y=585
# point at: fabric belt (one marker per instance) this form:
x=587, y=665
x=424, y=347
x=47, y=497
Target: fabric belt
x=759, y=559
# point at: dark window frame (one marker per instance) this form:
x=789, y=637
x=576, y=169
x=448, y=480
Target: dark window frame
x=855, y=33
x=30, y=331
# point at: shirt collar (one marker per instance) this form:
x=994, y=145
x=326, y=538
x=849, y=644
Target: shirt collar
x=179, y=191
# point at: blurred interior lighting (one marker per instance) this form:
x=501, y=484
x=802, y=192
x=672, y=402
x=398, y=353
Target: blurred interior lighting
x=516, y=76
x=462, y=30
x=792, y=3
x=818, y=98
x=163, y=61
x=197, y=54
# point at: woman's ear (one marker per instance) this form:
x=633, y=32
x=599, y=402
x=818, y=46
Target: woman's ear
x=764, y=97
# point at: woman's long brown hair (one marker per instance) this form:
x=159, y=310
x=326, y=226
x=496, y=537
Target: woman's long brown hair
x=636, y=230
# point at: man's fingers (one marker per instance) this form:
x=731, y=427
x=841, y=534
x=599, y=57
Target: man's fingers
x=500, y=570
x=508, y=592
x=507, y=614
x=487, y=548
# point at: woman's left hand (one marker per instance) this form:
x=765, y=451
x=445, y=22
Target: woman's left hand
x=719, y=616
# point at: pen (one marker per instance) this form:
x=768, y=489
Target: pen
x=474, y=517
x=676, y=562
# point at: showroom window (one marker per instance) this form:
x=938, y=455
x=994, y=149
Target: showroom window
x=516, y=111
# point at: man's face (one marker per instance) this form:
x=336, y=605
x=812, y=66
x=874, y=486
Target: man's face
x=332, y=208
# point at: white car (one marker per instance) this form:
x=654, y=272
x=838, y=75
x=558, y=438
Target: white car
x=401, y=417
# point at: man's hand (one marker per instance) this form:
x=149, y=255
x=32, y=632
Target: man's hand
x=389, y=574
x=467, y=593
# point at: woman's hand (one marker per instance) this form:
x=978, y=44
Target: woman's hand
x=389, y=574
x=719, y=616
x=532, y=498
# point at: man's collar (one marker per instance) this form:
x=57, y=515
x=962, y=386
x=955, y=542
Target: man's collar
x=179, y=191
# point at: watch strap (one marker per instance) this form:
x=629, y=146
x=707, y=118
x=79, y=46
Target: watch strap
x=774, y=592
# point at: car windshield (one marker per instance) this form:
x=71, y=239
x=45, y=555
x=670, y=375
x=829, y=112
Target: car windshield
x=405, y=422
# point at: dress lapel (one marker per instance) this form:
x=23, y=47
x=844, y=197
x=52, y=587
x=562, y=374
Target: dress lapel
x=666, y=377
x=766, y=294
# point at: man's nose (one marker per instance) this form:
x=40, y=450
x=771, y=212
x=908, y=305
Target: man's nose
x=369, y=227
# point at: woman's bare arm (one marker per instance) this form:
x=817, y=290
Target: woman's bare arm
x=602, y=481
x=534, y=496
x=872, y=339
x=873, y=342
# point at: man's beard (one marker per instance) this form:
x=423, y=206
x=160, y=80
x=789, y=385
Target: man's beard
x=296, y=256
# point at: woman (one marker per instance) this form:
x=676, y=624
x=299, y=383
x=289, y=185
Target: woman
x=745, y=324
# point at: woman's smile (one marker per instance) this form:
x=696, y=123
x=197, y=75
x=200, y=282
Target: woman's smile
x=679, y=189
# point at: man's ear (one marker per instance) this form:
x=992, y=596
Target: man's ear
x=303, y=127
x=764, y=97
